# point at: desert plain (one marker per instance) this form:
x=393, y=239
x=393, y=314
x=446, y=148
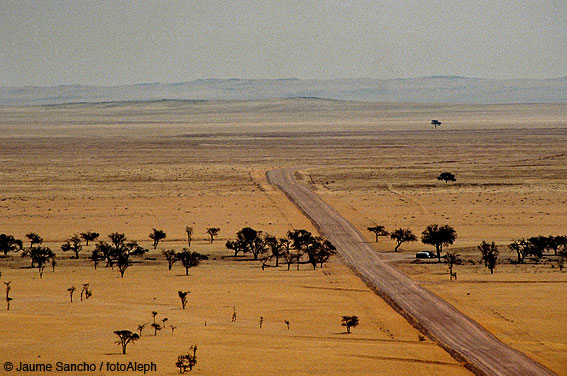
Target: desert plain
x=133, y=166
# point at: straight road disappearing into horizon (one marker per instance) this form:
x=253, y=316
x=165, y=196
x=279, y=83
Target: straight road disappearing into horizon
x=463, y=338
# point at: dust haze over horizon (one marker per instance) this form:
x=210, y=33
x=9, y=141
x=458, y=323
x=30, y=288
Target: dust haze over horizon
x=47, y=43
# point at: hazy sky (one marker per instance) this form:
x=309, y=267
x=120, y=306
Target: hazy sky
x=113, y=42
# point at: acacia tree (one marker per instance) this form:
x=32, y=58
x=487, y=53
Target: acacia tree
x=287, y=251
x=524, y=248
x=34, y=238
x=40, y=257
x=212, y=231
x=349, y=322
x=119, y=250
x=73, y=244
x=96, y=257
x=71, y=292
x=157, y=327
x=140, y=329
x=189, y=232
x=123, y=263
x=190, y=259
x=401, y=236
x=125, y=337
x=188, y=360
x=489, y=253
x=378, y=231
x=556, y=243
x=89, y=236
x=157, y=236
x=8, y=298
x=183, y=297
x=452, y=259
x=249, y=240
x=326, y=250
x=446, y=177
x=439, y=237
x=435, y=123
x=275, y=247
x=9, y=244
x=170, y=256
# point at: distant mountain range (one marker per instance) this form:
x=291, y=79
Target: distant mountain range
x=435, y=89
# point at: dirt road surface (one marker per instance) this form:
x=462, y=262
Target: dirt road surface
x=465, y=339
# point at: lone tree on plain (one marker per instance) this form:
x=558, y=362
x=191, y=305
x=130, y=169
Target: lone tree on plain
x=378, y=231
x=183, y=297
x=187, y=361
x=435, y=123
x=489, y=252
x=89, y=236
x=189, y=232
x=213, y=231
x=170, y=256
x=73, y=244
x=9, y=244
x=349, y=322
x=439, y=237
x=125, y=337
x=446, y=177
x=190, y=259
x=157, y=236
x=34, y=239
x=401, y=236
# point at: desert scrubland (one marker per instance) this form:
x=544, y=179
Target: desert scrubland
x=131, y=167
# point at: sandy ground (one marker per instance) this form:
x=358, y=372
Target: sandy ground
x=132, y=167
